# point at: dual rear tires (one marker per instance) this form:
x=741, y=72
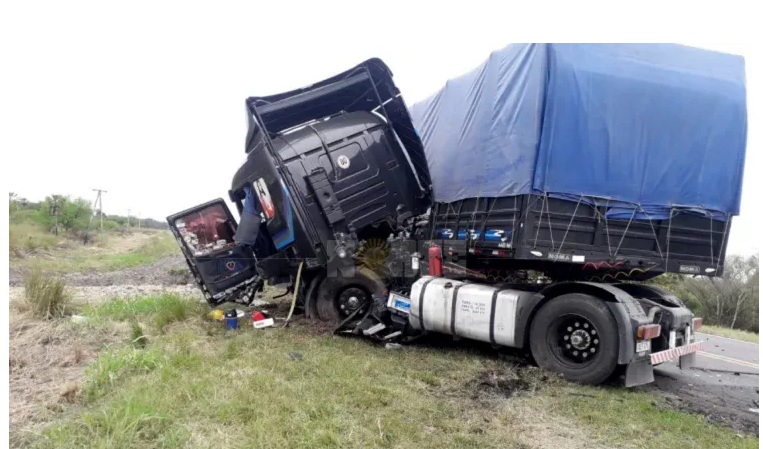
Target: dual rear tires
x=576, y=335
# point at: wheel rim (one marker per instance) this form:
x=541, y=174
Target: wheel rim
x=351, y=299
x=574, y=340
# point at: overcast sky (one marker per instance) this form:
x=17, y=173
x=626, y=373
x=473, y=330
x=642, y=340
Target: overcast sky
x=148, y=102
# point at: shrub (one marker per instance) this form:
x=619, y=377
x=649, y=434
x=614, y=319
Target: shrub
x=137, y=337
x=47, y=297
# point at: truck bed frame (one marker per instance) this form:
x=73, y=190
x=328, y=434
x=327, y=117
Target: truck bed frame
x=575, y=240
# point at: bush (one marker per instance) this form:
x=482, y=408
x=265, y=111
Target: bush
x=47, y=297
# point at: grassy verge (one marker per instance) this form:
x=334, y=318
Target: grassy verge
x=195, y=385
x=102, y=257
x=736, y=334
x=29, y=236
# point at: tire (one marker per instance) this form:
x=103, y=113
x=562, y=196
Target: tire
x=563, y=338
x=311, y=294
x=331, y=289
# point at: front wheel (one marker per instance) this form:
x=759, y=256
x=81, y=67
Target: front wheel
x=576, y=335
x=338, y=297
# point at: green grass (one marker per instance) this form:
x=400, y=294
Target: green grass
x=124, y=309
x=199, y=386
x=160, y=245
x=29, y=236
x=627, y=416
x=162, y=309
x=737, y=334
x=84, y=258
x=45, y=295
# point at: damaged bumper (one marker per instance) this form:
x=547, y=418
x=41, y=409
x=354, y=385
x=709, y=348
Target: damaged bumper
x=675, y=353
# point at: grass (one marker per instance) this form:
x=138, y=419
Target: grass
x=137, y=337
x=46, y=296
x=197, y=385
x=164, y=309
x=102, y=257
x=736, y=334
x=158, y=246
x=30, y=236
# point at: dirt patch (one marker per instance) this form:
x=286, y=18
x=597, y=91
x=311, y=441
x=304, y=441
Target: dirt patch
x=46, y=368
x=504, y=383
x=312, y=327
x=727, y=405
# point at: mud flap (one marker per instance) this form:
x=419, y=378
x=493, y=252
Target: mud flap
x=639, y=372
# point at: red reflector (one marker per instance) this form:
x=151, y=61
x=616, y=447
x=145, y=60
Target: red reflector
x=648, y=331
x=696, y=323
x=475, y=251
x=501, y=253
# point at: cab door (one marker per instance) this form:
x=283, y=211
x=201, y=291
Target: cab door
x=221, y=268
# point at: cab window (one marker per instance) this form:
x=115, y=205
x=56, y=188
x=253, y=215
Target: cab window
x=207, y=230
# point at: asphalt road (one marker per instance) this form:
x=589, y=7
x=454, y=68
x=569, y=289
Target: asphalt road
x=723, y=385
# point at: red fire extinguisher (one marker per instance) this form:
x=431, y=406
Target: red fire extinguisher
x=435, y=261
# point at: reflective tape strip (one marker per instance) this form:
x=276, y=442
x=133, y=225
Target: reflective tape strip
x=670, y=354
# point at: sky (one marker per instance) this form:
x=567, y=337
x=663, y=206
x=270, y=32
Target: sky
x=146, y=100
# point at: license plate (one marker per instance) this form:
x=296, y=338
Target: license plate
x=400, y=303
x=643, y=345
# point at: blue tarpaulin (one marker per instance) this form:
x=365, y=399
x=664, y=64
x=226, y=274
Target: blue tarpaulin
x=650, y=126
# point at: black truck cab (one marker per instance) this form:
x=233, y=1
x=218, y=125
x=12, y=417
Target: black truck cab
x=327, y=166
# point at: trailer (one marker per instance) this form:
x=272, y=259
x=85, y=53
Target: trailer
x=526, y=204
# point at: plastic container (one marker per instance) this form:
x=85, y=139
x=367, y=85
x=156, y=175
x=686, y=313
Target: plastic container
x=231, y=319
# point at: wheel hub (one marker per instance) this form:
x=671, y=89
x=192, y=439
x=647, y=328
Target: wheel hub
x=351, y=299
x=579, y=340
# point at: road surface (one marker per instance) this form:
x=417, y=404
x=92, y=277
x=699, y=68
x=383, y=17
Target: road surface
x=723, y=385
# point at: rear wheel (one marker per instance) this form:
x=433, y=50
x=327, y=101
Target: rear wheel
x=576, y=335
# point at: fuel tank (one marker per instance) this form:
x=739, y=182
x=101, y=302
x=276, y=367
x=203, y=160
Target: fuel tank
x=468, y=310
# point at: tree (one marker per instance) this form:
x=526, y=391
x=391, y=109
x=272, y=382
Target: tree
x=13, y=204
x=731, y=300
x=76, y=214
x=54, y=206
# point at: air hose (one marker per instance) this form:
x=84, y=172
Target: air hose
x=296, y=292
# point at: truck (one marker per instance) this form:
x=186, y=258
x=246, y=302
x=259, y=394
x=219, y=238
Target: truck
x=527, y=204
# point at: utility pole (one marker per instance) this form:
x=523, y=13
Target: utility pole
x=97, y=203
x=139, y=220
x=128, y=218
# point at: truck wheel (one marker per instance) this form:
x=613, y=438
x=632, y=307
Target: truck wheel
x=339, y=297
x=311, y=294
x=576, y=336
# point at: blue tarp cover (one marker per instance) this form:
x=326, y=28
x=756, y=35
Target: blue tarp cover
x=653, y=125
